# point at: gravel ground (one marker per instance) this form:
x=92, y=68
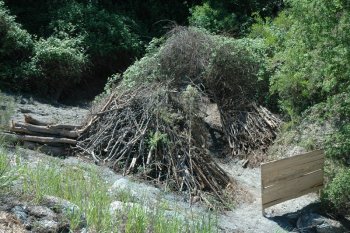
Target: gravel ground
x=247, y=217
x=46, y=112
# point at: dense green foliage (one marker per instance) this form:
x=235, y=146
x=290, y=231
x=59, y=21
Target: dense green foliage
x=312, y=52
x=231, y=16
x=16, y=45
x=109, y=38
x=310, y=60
x=58, y=64
x=111, y=34
x=337, y=191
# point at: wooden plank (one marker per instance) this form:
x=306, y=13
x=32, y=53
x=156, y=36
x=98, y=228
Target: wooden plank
x=271, y=177
x=280, y=200
x=291, y=177
x=296, y=160
x=292, y=188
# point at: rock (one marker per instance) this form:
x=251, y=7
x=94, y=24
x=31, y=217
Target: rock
x=46, y=226
x=60, y=205
x=20, y=213
x=118, y=206
x=137, y=190
x=41, y=212
x=315, y=223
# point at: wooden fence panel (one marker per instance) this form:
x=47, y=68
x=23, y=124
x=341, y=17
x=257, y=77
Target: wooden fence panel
x=292, y=177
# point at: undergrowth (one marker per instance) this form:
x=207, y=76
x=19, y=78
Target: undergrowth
x=85, y=187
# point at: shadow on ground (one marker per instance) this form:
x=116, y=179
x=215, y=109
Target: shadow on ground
x=311, y=219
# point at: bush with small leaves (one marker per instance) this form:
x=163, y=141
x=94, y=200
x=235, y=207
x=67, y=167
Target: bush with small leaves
x=60, y=62
x=16, y=47
x=337, y=192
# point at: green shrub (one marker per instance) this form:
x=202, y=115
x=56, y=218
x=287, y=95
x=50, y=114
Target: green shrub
x=337, y=192
x=60, y=63
x=16, y=46
x=312, y=62
x=238, y=67
x=214, y=20
x=108, y=37
x=231, y=16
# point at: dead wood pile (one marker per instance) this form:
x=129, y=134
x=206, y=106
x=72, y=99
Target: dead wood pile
x=248, y=128
x=50, y=138
x=149, y=131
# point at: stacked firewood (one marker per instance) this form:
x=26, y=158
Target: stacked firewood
x=50, y=138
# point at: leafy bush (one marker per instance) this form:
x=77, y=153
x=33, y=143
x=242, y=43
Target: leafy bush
x=313, y=62
x=60, y=63
x=108, y=37
x=238, y=69
x=337, y=192
x=16, y=46
x=231, y=16
x=214, y=20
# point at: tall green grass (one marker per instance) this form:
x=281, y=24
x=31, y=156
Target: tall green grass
x=86, y=188
x=7, y=174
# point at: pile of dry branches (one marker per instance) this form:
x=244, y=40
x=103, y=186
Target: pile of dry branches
x=147, y=131
x=248, y=128
x=232, y=82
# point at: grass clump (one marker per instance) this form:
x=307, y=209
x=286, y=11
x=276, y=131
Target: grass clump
x=86, y=188
x=7, y=174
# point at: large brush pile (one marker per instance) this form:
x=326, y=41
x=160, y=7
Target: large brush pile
x=153, y=131
x=233, y=84
x=152, y=123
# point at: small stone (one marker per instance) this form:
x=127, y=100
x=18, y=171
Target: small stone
x=20, y=213
x=41, y=211
x=195, y=199
x=118, y=206
x=139, y=191
x=63, y=206
x=59, y=204
x=46, y=226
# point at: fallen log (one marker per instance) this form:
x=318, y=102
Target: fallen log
x=30, y=129
x=66, y=127
x=31, y=120
x=39, y=139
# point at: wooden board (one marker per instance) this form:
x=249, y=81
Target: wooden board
x=292, y=177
